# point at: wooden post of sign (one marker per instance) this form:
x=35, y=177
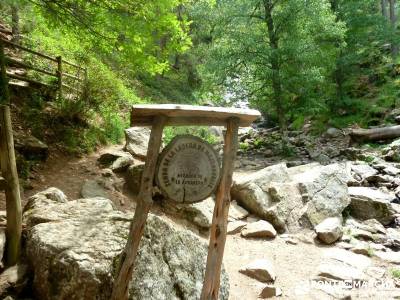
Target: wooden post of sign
x=220, y=216
x=9, y=170
x=145, y=201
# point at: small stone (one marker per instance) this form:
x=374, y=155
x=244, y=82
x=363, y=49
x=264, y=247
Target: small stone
x=329, y=230
x=107, y=158
x=344, y=245
x=200, y=213
x=259, y=229
x=333, y=132
x=122, y=163
x=252, y=219
x=235, y=227
x=362, y=249
x=270, y=291
x=237, y=212
x=106, y=172
x=289, y=239
x=389, y=256
x=134, y=177
x=261, y=269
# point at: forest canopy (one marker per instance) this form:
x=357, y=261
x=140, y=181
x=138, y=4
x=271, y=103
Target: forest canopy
x=332, y=61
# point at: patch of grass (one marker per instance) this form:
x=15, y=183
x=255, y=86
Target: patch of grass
x=244, y=146
x=370, y=251
x=395, y=273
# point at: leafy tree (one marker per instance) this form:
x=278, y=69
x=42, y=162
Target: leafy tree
x=367, y=32
x=134, y=34
x=276, y=54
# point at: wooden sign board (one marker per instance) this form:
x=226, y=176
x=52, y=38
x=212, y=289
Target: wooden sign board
x=188, y=170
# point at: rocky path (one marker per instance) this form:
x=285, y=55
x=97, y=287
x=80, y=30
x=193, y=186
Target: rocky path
x=257, y=259
x=69, y=174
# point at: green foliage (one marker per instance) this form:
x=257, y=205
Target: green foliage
x=136, y=34
x=241, y=55
x=395, y=273
x=200, y=131
x=244, y=146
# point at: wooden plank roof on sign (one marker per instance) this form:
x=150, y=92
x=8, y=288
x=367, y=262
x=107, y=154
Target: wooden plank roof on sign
x=143, y=115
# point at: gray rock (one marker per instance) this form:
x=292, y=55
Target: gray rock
x=237, y=212
x=389, y=256
x=362, y=171
x=260, y=269
x=107, y=173
x=329, y=230
x=137, y=139
x=324, y=189
x=73, y=248
x=13, y=279
x=108, y=157
x=91, y=189
x=30, y=147
x=259, y=229
x=122, y=163
x=134, y=176
x=369, y=203
x=270, y=291
x=200, y=213
x=296, y=197
x=362, y=248
x=44, y=199
x=392, y=151
x=287, y=207
x=252, y=192
x=339, y=264
x=333, y=132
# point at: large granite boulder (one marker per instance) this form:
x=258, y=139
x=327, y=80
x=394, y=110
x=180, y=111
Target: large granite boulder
x=324, y=190
x=74, y=246
x=251, y=191
x=292, y=198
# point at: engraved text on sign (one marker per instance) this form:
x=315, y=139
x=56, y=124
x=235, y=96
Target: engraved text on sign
x=188, y=170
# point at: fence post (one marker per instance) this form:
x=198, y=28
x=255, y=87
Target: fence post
x=59, y=74
x=9, y=170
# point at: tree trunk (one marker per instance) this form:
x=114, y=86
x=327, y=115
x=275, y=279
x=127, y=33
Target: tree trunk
x=393, y=21
x=338, y=74
x=275, y=64
x=375, y=134
x=384, y=9
x=15, y=23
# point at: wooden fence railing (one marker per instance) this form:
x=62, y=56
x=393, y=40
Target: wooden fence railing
x=62, y=77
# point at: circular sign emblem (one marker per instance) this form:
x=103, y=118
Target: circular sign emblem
x=188, y=170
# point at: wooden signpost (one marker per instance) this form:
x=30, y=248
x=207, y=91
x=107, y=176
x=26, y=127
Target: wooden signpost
x=188, y=172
